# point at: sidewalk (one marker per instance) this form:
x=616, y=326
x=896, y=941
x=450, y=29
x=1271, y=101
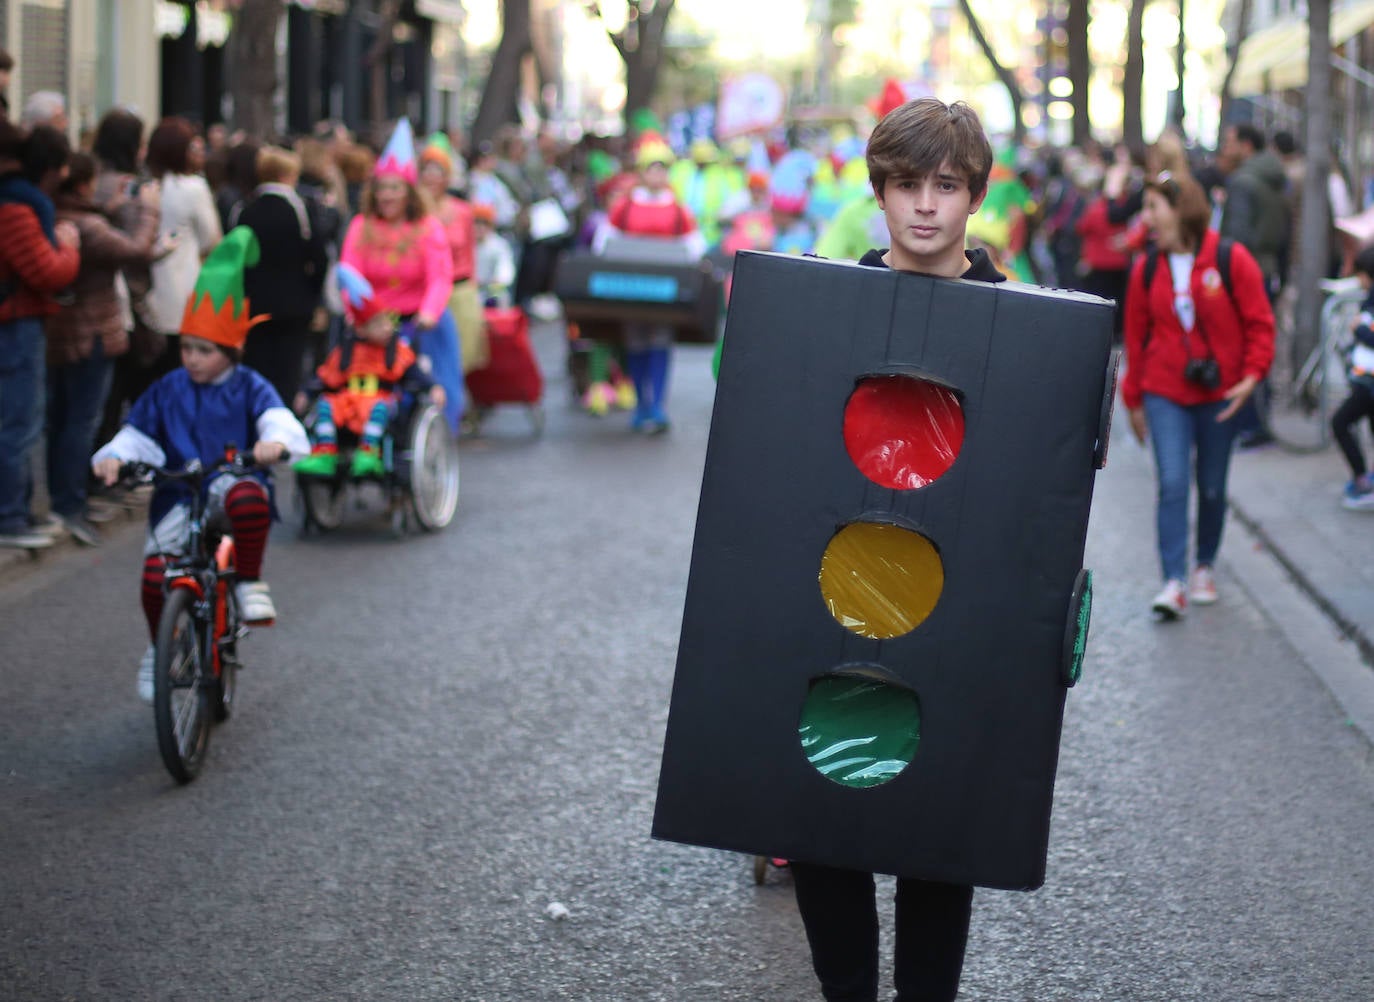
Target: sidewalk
x=1292, y=504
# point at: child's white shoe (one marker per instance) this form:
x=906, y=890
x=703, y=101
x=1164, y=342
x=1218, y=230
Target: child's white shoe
x=145, y=675
x=255, y=603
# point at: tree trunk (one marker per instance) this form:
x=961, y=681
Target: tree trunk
x=1004, y=75
x=501, y=95
x=252, y=53
x=1132, y=87
x=378, y=62
x=640, y=45
x=1080, y=69
x=1314, y=235
x=1234, y=41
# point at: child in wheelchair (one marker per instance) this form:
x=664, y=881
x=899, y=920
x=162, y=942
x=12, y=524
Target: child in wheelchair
x=193, y=413
x=362, y=379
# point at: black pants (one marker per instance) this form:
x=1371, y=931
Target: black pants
x=1360, y=404
x=276, y=349
x=841, y=918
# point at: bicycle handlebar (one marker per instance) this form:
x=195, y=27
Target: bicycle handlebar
x=193, y=471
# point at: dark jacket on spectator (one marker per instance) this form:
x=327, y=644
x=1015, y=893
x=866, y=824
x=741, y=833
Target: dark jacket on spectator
x=96, y=311
x=288, y=278
x=32, y=267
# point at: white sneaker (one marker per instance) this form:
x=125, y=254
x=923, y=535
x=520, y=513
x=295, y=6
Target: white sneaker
x=1202, y=587
x=145, y=675
x=255, y=603
x=1171, y=602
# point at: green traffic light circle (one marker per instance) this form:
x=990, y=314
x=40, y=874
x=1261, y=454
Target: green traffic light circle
x=860, y=726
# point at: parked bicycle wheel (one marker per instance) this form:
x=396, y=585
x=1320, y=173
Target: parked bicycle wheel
x=1300, y=410
x=183, y=685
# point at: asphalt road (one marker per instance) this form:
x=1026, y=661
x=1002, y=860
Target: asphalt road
x=446, y=734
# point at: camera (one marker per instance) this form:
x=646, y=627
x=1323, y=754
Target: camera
x=1204, y=372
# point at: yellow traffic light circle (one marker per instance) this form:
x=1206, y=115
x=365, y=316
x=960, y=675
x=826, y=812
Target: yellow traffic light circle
x=880, y=580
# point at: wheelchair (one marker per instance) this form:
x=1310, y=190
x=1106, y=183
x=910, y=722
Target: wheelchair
x=420, y=482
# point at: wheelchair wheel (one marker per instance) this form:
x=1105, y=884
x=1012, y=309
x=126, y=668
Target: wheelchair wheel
x=433, y=470
x=324, y=503
x=182, y=687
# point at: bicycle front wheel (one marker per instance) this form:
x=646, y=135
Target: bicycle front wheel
x=183, y=683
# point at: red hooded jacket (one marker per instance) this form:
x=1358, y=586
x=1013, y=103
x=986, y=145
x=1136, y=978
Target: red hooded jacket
x=1238, y=328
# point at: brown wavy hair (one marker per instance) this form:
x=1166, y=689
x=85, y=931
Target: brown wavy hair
x=916, y=138
x=1187, y=198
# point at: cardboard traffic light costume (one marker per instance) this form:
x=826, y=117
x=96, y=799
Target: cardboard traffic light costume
x=886, y=602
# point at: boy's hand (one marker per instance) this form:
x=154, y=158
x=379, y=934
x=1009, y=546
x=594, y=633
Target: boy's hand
x=425, y=322
x=107, y=470
x=437, y=396
x=267, y=453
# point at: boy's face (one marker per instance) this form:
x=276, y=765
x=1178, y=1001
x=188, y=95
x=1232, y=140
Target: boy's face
x=926, y=218
x=376, y=330
x=203, y=359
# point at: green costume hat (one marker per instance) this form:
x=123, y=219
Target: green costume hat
x=438, y=150
x=217, y=310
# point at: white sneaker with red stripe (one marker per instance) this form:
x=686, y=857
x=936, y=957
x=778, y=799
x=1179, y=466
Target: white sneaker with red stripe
x=1171, y=602
x=1202, y=587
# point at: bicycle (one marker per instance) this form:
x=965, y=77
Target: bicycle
x=1300, y=406
x=196, y=659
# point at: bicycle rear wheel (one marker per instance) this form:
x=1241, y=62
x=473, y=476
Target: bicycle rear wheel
x=183, y=683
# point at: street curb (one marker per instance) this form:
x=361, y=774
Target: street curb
x=1354, y=631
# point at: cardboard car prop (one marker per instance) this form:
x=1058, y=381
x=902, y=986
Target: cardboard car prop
x=886, y=603
x=640, y=279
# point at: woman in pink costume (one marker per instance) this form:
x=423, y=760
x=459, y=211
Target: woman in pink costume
x=455, y=215
x=398, y=244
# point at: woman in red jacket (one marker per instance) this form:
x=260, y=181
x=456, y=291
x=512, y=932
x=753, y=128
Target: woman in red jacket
x=39, y=256
x=1197, y=344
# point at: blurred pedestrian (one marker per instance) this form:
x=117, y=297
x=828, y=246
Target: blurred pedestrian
x=85, y=337
x=285, y=283
x=45, y=107
x=189, y=221
x=240, y=177
x=398, y=244
x=39, y=256
x=6, y=68
x=455, y=215
x=1197, y=345
x=118, y=149
x=1359, y=403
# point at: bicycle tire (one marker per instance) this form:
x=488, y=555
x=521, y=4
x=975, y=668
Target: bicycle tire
x=181, y=667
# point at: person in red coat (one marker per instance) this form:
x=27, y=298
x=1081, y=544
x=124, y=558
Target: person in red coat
x=39, y=256
x=650, y=209
x=1196, y=348
x=1105, y=255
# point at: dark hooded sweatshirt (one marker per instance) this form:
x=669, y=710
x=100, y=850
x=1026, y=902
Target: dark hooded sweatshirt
x=980, y=266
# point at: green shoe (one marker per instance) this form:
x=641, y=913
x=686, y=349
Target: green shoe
x=366, y=463
x=318, y=464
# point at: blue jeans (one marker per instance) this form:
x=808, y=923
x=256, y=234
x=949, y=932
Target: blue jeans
x=22, y=366
x=1179, y=433
x=76, y=403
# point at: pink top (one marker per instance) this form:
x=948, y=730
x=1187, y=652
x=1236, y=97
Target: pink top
x=409, y=264
x=455, y=216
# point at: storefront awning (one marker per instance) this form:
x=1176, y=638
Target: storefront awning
x=1276, y=58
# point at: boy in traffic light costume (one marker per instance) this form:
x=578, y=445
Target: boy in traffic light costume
x=929, y=444
x=192, y=413
x=362, y=376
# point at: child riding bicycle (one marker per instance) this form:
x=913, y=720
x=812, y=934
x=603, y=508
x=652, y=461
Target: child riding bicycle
x=193, y=413
x=362, y=377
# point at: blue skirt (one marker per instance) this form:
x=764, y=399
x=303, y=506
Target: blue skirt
x=440, y=345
